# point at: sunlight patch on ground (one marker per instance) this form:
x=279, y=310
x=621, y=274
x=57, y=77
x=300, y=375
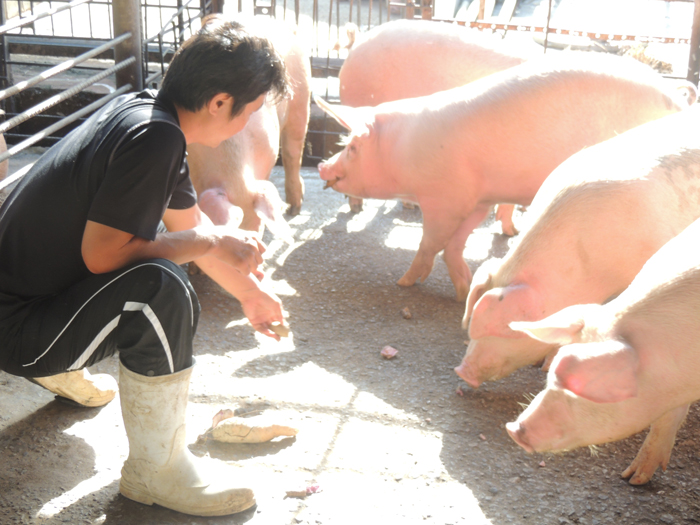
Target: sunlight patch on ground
x=371, y=404
x=405, y=237
x=307, y=384
x=300, y=219
x=358, y=497
x=111, y=449
x=479, y=244
x=301, y=236
x=281, y=287
x=374, y=447
x=359, y=221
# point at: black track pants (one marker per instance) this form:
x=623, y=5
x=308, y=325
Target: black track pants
x=147, y=312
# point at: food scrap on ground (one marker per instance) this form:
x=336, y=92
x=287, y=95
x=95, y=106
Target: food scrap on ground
x=389, y=352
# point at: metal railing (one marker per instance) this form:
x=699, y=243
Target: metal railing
x=58, y=58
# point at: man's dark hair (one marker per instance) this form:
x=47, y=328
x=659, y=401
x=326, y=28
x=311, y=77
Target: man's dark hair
x=224, y=56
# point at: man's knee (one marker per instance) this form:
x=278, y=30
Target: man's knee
x=170, y=284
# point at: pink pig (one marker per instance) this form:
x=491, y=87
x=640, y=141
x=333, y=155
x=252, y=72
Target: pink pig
x=458, y=152
x=414, y=58
x=594, y=223
x=237, y=170
x=627, y=364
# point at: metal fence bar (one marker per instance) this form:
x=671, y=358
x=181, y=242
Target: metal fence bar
x=54, y=127
x=29, y=19
x=177, y=27
x=21, y=86
x=171, y=22
x=65, y=95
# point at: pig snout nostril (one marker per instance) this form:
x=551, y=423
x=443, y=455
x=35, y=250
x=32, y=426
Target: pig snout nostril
x=517, y=433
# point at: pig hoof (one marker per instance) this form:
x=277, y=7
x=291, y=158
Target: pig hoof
x=639, y=479
x=293, y=210
x=462, y=294
x=510, y=231
x=355, y=204
x=405, y=282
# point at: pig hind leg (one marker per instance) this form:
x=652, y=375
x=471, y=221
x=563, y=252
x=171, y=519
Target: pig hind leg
x=292, y=140
x=439, y=226
x=459, y=271
x=656, y=449
x=504, y=213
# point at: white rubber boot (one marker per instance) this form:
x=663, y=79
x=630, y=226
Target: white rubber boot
x=160, y=468
x=81, y=387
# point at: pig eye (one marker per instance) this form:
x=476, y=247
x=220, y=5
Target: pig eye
x=352, y=148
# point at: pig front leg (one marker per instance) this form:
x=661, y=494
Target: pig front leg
x=292, y=140
x=292, y=150
x=656, y=449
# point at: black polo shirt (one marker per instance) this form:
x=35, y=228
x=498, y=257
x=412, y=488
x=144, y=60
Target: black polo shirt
x=122, y=168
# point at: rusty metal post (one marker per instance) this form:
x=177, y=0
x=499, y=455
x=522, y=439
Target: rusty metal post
x=694, y=58
x=426, y=10
x=410, y=9
x=127, y=19
x=216, y=6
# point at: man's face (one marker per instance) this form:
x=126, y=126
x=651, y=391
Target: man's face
x=223, y=126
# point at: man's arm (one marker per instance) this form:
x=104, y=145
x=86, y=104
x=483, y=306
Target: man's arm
x=261, y=306
x=227, y=255
x=105, y=249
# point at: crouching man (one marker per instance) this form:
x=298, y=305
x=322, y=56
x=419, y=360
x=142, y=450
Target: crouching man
x=91, y=242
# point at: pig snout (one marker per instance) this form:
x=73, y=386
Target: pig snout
x=468, y=374
x=325, y=170
x=518, y=433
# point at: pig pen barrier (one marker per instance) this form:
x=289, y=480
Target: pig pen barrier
x=89, y=47
x=61, y=61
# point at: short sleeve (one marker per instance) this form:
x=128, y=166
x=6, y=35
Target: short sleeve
x=147, y=171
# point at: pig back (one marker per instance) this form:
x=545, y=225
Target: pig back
x=606, y=210
x=406, y=59
x=516, y=126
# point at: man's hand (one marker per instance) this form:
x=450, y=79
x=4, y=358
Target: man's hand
x=262, y=308
x=239, y=248
x=260, y=305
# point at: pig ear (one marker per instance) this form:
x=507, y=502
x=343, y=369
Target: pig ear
x=352, y=119
x=558, y=329
x=481, y=283
x=603, y=372
x=561, y=328
x=498, y=307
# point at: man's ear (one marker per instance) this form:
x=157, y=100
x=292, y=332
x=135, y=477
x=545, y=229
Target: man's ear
x=220, y=102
